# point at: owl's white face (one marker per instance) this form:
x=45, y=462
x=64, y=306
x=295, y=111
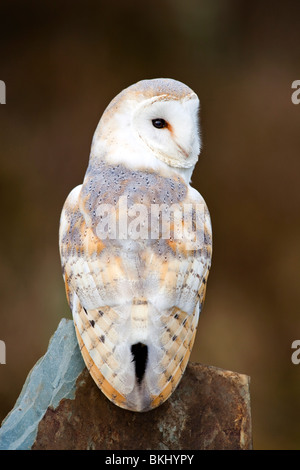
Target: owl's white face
x=159, y=131
x=169, y=128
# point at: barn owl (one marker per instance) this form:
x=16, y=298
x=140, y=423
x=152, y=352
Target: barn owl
x=135, y=244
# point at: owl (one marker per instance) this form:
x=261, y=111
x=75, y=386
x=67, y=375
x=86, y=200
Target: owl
x=135, y=244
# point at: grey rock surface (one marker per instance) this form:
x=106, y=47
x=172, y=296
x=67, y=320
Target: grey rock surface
x=51, y=379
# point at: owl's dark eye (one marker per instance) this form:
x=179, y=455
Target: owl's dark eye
x=159, y=123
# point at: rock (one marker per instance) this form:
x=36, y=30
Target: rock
x=60, y=407
x=52, y=379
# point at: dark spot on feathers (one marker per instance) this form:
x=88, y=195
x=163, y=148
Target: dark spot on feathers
x=139, y=352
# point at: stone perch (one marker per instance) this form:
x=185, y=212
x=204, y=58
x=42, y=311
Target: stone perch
x=60, y=407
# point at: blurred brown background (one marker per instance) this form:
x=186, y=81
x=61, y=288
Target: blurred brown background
x=62, y=63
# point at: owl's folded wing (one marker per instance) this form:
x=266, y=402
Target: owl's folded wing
x=122, y=295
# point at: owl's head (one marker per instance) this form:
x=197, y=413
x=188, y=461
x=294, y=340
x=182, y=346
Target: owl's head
x=152, y=123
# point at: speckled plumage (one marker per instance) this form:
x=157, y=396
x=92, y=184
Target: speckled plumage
x=136, y=301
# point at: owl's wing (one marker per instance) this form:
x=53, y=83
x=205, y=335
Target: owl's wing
x=97, y=283
x=183, y=282
x=135, y=303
